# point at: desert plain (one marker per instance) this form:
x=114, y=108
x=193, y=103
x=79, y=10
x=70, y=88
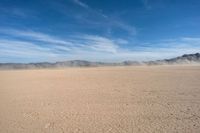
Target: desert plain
x=135, y=99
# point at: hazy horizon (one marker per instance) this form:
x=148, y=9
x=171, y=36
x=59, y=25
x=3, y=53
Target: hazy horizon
x=106, y=31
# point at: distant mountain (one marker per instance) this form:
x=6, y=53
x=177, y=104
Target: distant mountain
x=185, y=59
x=73, y=63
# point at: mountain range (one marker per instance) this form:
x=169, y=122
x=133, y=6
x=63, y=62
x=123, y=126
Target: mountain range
x=184, y=59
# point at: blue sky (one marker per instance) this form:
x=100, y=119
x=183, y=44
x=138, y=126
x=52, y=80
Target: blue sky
x=98, y=30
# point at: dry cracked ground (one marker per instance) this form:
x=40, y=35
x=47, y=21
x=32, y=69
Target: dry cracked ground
x=101, y=100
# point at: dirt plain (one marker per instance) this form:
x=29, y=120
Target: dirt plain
x=155, y=99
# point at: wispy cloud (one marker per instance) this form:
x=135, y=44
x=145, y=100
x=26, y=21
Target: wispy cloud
x=35, y=36
x=83, y=41
x=81, y=4
x=27, y=44
x=25, y=49
x=106, y=20
x=41, y=46
x=98, y=43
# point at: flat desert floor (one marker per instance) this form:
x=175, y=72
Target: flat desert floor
x=156, y=99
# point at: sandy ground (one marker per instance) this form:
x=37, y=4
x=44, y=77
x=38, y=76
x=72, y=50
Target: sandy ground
x=101, y=100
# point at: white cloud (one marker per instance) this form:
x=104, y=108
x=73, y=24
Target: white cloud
x=106, y=20
x=130, y=29
x=23, y=48
x=90, y=47
x=36, y=36
x=99, y=43
x=35, y=44
x=85, y=42
x=81, y=3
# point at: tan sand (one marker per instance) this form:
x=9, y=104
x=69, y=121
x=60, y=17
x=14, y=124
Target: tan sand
x=158, y=99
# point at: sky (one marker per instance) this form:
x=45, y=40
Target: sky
x=97, y=30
